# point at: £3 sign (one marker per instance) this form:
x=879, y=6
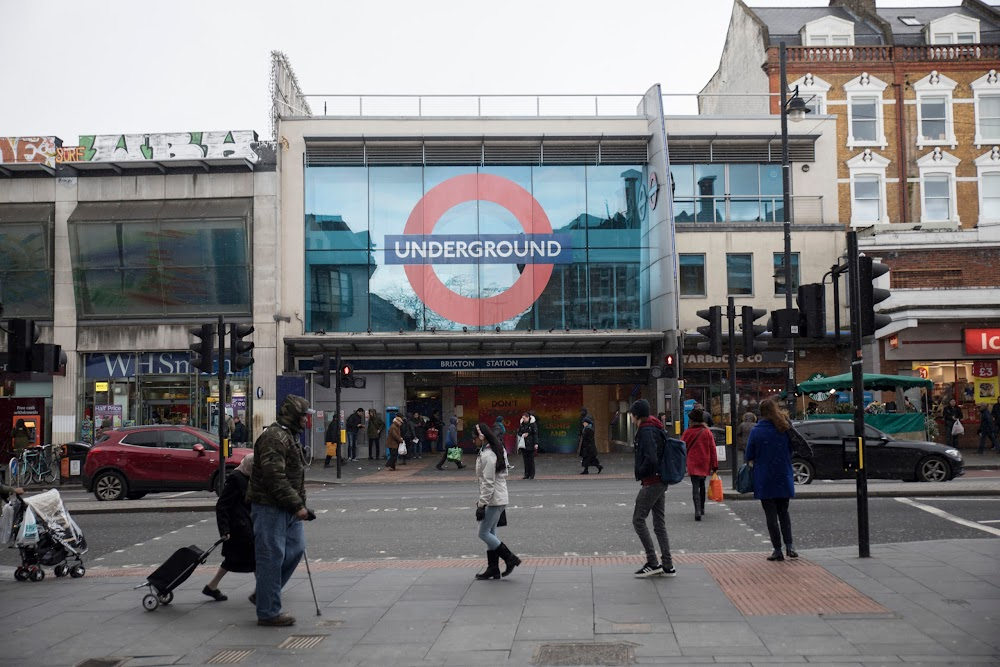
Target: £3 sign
x=982, y=341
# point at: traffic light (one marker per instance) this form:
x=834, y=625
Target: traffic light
x=713, y=332
x=239, y=349
x=669, y=366
x=869, y=270
x=811, y=301
x=22, y=337
x=346, y=375
x=323, y=370
x=751, y=331
x=201, y=357
x=46, y=358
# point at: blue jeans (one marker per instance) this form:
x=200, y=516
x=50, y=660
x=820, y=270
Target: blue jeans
x=280, y=543
x=488, y=526
x=352, y=445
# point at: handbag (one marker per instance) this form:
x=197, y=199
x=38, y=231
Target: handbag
x=520, y=442
x=957, y=428
x=432, y=434
x=402, y=449
x=502, y=521
x=744, y=478
x=715, y=493
x=454, y=453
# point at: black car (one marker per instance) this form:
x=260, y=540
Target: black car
x=886, y=457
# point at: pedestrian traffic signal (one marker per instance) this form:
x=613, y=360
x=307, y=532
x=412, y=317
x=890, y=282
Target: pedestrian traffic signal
x=811, y=301
x=21, y=338
x=239, y=349
x=669, y=366
x=713, y=332
x=202, y=348
x=868, y=271
x=752, y=331
x=346, y=373
x=323, y=370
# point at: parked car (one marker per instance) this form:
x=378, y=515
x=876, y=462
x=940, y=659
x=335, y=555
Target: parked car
x=133, y=461
x=885, y=456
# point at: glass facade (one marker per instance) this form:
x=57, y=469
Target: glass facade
x=26, y=275
x=360, y=223
x=727, y=192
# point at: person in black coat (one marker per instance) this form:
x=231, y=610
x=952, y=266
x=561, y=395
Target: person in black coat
x=239, y=434
x=528, y=429
x=588, y=447
x=232, y=513
x=952, y=413
x=987, y=430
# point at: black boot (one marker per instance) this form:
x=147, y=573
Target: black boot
x=509, y=559
x=493, y=567
x=586, y=471
x=460, y=466
x=696, y=497
x=599, y=468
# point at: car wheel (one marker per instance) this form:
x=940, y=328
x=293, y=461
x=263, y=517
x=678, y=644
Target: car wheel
x=135, y=495
x=934, y=469
x=803, y=472
x=110, y=486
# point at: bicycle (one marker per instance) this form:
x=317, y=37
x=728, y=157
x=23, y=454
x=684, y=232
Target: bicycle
x=36, y=466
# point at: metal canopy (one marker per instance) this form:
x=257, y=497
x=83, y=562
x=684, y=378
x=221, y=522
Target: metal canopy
x=383, y=344
x=163, y=166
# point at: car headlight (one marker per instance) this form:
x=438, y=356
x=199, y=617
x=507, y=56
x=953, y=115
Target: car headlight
x=953, y=453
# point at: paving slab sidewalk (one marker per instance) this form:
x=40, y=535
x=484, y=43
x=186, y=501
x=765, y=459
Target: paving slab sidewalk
x=930, y=603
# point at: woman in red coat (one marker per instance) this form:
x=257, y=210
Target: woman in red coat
x=702, y=459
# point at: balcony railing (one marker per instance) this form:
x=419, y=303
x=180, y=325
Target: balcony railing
x=459, y=106
x=862, y=54
x=765, y=210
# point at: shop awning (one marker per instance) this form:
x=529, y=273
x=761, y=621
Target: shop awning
x=871, y=381
x=163, y=209
x=11, y=213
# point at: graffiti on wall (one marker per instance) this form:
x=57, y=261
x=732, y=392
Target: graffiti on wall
x=173, y=146
x=25, y=150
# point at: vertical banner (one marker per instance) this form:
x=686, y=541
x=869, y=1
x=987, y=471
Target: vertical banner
x=984, y=375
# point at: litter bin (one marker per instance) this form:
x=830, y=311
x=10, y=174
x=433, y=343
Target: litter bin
x=71, y=458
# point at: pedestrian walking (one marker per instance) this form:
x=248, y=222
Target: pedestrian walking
x=702, y=458
x=987, y=429
x=528, y=430
x=769, y=451
x=450, y=441
x=584, y=413
x=709, y=422
x=500, y=429
x=649, y=436
x=952, y=413
x=743, y=432
x=491, y=471
x=393, y=440
x=232, y=514
x=375, y=426
x=333, y=435
x=588, y=447
x=419, y=435
x=995, y=413
x=355, y=429
x=239, y=435
x=277, y=495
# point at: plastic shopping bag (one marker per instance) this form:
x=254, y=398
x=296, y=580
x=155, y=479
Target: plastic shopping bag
x=7, y=524
x=744, y=478
x=454, y=453
x=957, y=428
x=28, y=532
x=520, y=443
x=402, y=449
x=715, y=488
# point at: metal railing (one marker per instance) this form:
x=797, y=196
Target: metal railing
x=430, y=106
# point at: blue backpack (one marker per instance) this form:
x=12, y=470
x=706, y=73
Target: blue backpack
x=673, y=459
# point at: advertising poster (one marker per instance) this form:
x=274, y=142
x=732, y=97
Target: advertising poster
x=557, y=410
x=984, y=376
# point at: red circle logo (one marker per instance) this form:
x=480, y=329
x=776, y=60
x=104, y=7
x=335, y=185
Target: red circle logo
x=467, y=310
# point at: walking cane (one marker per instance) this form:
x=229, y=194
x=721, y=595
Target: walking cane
x=305, y=555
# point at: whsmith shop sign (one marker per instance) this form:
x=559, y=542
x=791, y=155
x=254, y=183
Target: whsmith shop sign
x=125, y=365
x=493, y=363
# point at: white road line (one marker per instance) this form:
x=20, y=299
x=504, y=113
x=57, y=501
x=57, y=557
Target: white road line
x=950, y=517
x=991, y=521
x=178, y=495
x=963, y=499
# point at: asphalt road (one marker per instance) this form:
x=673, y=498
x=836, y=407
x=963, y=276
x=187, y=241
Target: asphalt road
x=548, y=517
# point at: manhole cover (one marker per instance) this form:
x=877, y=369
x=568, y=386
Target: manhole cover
x=330, y=624
x=110, y=661
x=230, y=656
x=302, y=641
x=584, y=654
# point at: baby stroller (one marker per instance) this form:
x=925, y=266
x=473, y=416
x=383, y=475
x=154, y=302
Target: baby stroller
x=174, y=572
x=46, y=536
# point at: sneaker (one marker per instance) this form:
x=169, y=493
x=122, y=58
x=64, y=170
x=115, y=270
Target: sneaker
x=669, y=571
x=648, y=570
x=281, y=620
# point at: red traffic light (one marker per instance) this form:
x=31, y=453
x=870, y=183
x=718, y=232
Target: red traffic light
x=668, y=360
x=346, y=370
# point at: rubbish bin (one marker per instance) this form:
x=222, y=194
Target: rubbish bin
x=71, y=459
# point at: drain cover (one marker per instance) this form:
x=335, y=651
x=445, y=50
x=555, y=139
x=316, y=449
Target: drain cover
x=330, y=624
x=302, y=641
x=230, y=656
x=584, y=654
x=110, y=661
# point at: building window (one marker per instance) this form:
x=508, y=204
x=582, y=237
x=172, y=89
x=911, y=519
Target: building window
x=932, y=118
x=934, y=110
x=868, y=188
x=937, y=197
x=779, y=273
x=864, y=111
x=739, y=274
x=986, y=91
x=692, y=275
x=26, y=268
x=813, y=90
x=952, y=29
x=937, y=185
x=988, y=167
x=827, y=31
x=727, y=193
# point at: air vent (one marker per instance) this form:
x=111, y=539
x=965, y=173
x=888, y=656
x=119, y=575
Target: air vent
x=512, y=152
x=340, y=154
x=624, y=152
x=453, y=153
x=569, y=152
x=393, y=153
x=760, y=151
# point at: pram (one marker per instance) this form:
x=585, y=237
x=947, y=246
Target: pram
x=174, y=572
x=56, y=537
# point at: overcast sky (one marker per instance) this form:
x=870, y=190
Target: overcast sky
x=119, y=66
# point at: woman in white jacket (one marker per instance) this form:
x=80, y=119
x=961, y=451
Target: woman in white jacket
x=491, y=470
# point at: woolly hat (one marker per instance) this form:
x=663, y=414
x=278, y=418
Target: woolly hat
x=640, y=408
x=588, y=420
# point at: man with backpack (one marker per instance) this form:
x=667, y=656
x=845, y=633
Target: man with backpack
x=649, y=443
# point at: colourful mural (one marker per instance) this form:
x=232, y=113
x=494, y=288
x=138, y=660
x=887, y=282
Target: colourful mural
x=28, y=150
x=557, y=409
x=174, y=146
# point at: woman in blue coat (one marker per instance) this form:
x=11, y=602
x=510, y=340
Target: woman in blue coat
x=769, y=451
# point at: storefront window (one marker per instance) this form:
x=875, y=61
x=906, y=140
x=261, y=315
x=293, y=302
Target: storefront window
x=727, y=192
x=26, y=275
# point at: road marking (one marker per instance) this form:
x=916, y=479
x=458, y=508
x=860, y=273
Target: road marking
x=178, y=495
x=961, y=498
x=950, y=517
x=991, y=521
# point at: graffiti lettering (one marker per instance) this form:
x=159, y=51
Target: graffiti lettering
x=24, y=150
x=177, y=146
x=70, y=154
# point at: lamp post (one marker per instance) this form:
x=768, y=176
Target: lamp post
x=794, y=108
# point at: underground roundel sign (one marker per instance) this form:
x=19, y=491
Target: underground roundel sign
x=419, y=249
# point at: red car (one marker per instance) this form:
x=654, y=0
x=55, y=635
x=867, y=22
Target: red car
x=133, y=461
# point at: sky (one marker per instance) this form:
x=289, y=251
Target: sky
x=126, y=66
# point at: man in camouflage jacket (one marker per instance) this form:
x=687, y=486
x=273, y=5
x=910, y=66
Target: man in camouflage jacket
x=277, y=496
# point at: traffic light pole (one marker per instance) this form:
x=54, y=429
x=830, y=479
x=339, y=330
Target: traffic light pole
x=858, y=386
x=340, y=426
x=731, y=311
x=223, y=427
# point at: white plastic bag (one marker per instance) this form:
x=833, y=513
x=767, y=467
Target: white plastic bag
x=28, y=532
x=402, y=449
x=520, y=442
x=7, y=524
x=957, y=428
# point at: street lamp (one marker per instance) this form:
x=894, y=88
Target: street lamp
x=795, y=109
